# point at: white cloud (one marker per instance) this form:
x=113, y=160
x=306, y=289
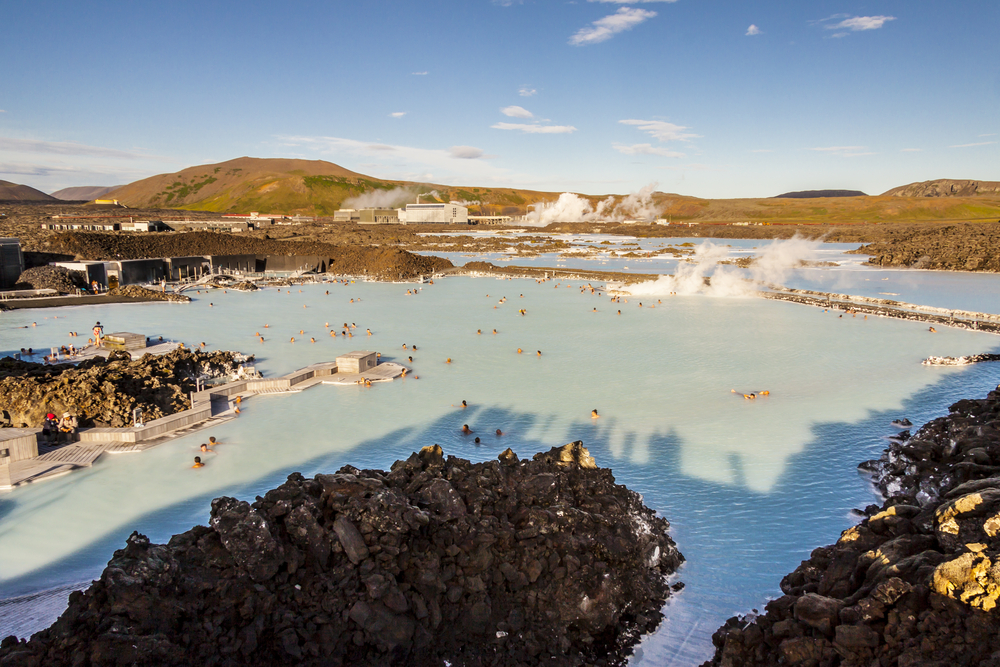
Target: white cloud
x=525, y=91
x=911, y=150
x=762, y=150
x=516, y=112
x=419, y=73
x=844, y=151
x=991, y=134
x=752, y=30
x=661, y=130
x=535, y=128
x=398, y=114
x=64, y=148
x=604, y=29
x=630, y=2
x=859, y=23
x=981, y=143
x=398, y=162
x=645, y=149
x=466, y=152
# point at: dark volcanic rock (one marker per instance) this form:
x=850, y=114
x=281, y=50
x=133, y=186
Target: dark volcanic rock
x=816, y=194
x=436, y=562
x=104, y=392
x=138, y=292
x=915, y=583
x=57, y=278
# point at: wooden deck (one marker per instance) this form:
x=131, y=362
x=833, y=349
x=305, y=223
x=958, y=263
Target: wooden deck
x=54, y=460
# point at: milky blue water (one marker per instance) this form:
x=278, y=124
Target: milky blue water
x=750, y=487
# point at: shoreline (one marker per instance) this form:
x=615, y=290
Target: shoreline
x=914, y=582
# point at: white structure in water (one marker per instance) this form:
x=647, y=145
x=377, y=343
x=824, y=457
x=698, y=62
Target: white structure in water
x=440, y=214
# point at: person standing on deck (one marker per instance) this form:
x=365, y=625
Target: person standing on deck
x=98, y=334
x=67, y=428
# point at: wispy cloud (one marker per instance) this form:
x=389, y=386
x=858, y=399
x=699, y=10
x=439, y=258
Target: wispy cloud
x=516, y=112
x=911, y=150
x=661, y=130
x=466, y=152
x=762, y=150
x=645, y=149
x=419, y=73
x=991, y=134
x=604, y=29
x=401, y=162
x=535, y=128
x=65, y=148
x=630, y=2
x=507, y=3
x=978, y=143
x=859, y=23
x=525, y=91
x=398, y=114
x=844, y=151
x=753, y=30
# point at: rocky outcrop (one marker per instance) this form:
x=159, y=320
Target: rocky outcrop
x=438, y=561
x=56, y=278
x=960, y=361
x=950, y=247
x=377, y=262
x=103, y=392
x=946, y=187
x=146, y=294
x=917, y=581
x=244, y=286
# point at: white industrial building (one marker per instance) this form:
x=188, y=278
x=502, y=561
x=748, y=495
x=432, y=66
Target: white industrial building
x=439, y=214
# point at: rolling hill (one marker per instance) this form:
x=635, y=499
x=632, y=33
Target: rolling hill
x=946, y=187
x=84, y=192
x=314, y=187
x=14, y=192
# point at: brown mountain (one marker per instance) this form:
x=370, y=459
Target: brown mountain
x=310, y=187
x=14, y=192
x=84, y=192
x=946, y=187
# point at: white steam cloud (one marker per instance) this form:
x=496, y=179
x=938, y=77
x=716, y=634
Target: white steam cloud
x=381, y=198
x=574, y=208
x=773, y=265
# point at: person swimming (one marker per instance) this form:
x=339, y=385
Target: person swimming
x=594, y=415
x=198, y=463
x=466, y=430
x=539, y=353
x=499, y=433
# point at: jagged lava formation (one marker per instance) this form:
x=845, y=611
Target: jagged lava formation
x=917, y=582
x=439, y=561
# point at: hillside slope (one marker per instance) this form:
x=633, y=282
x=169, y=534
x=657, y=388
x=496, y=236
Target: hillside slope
x=15, y=192
x=84, y=192
x=946, y=187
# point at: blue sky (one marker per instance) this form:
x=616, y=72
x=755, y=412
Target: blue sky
x=711, y=98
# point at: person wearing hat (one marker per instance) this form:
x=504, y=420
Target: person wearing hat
x=67, y=427
x=98, y=334
x=50, y=429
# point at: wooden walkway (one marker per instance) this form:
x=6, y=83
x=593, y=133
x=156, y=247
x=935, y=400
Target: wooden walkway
x=54, y=461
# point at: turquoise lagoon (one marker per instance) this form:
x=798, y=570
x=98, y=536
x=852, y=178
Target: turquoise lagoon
x=750, y=487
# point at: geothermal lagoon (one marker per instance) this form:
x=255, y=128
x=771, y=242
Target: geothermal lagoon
x=750, y=487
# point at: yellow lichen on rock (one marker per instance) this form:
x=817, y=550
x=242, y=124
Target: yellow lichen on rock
x=970, y=578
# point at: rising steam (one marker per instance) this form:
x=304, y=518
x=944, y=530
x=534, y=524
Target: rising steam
x=382, y=198
x=573, y=208
x=772, y=265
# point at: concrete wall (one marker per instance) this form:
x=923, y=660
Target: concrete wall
x=11, y=262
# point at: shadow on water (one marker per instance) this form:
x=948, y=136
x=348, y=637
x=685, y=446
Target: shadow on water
x=738, y=542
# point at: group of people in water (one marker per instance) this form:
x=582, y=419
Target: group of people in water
x=205, y=448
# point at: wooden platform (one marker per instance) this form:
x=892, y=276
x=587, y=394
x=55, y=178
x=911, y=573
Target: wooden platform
x=33, y=470
x=79, y=454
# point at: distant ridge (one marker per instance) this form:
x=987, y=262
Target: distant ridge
x=84, y=192
x=946, y=187
x=14, y=192
x=814, y=194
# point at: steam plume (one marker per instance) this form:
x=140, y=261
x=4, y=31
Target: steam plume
x=573, y=208
x=773, y=265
